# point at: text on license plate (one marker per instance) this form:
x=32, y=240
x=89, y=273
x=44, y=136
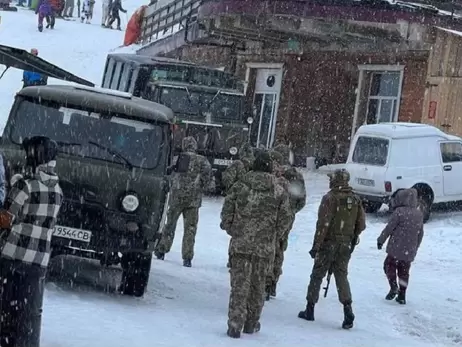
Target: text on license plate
x=365, y=182
x=71, y=233
x=224, y=162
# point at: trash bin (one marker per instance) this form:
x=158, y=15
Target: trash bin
x=33, y=4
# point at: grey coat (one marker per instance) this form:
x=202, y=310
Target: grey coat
x=404, y=231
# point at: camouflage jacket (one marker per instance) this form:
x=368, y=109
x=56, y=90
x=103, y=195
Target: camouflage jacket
x=187, y=188
x=255, y=213
x=341, y=218
x=295, y=181
x=238, y=168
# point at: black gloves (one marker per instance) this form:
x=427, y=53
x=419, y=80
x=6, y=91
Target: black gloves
x=313, y=253
x=379, y=245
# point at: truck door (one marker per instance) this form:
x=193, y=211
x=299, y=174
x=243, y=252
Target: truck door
x=451, y=161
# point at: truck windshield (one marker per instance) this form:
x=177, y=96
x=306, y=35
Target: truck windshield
x=86, y=134
x=371, y=151
x=215, y=107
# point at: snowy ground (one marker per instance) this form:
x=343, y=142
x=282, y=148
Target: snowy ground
x=188, y=306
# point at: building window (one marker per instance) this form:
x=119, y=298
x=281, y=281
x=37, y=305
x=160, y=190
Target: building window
x=383, y=96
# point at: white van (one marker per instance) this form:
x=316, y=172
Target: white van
x=386, y=157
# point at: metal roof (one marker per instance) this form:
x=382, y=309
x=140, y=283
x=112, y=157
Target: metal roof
x=101, y=99
x=403, y=130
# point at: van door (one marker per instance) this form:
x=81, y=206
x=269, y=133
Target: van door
x=368, y=164
x=451, y=161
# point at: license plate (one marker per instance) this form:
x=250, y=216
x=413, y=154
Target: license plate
x=222, y=162
x=71, y=233
x=365, y=182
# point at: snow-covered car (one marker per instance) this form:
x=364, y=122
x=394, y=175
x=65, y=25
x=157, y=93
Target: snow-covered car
x=115, y=153
x=386, y=157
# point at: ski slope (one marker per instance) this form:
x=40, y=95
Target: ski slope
x=188, y=306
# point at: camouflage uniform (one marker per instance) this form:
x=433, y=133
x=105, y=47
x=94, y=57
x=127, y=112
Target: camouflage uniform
x=255, y=212
x=341, y=220
x=186, y=199
x=237, y=170
x=294, y=183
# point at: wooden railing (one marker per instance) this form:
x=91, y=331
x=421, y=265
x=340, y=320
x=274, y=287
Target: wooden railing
x=166, y=20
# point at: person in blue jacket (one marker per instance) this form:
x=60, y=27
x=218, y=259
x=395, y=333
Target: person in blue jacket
x=30, y=78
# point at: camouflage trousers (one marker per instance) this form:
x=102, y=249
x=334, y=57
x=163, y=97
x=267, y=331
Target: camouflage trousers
x=190, y=220
x=275, y=267
x=247, y=290
x=336, y=256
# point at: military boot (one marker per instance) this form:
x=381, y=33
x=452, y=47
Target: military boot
x=187, y=263
x=267, y=292
x=272, y=289
x=308, y=314
x=401, y=299
x=349, y=317
x=250, y=328
x=233, y=333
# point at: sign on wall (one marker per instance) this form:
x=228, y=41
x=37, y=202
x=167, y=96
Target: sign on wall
x=432, y=110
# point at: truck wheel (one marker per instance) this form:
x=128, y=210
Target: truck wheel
x=135, y=276
x=371, y=207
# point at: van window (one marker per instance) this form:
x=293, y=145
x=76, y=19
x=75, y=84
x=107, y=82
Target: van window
x=371, y=151
x=451, y=152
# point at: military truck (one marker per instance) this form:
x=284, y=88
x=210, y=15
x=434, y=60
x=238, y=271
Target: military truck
x=115, y=151
x=208, y=104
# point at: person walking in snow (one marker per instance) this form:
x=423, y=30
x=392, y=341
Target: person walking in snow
x=404, y=233
x=45, y=11
x=69, y=8
x=30, y=78
x=87, y=11
x=114, y=10
x=27, y=220
x=107, y=4
x=341, y=220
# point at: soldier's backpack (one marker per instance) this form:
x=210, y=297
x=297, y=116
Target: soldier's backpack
x=182, y=164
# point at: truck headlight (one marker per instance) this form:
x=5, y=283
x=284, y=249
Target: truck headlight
x=233, y=150
x=130, y=203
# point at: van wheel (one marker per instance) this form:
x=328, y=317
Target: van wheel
x=424, y=205
x=371, y=207
x=135, y=276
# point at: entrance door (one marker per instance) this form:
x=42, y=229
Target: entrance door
x=264, y=112
x=265, y=105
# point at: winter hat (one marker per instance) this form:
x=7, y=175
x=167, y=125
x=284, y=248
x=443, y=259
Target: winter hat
x=263, y=162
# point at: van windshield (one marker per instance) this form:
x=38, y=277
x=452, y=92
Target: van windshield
x=371, y=151
x=86, y=134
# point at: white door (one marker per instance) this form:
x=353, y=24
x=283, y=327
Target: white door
x=451, y=161
x=265, y=106
x=264, y=119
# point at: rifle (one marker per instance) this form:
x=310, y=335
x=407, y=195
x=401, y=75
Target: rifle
x=78, y=8
x=354, y=243
x=329, y=275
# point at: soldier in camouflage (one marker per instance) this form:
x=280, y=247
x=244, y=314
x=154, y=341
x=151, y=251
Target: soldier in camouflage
x=341, y=219
x=255, y=212
x=238, y=169
x=186, y=199
x=293, y=182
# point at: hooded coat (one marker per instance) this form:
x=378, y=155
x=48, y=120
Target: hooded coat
x=187, y=187
x=255, y=213
x=404, y=230
x=29, y=239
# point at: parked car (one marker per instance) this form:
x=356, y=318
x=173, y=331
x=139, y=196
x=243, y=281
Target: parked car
x=387, y=157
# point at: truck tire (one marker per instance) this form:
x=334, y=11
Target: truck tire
x=371, y=207
x=136, y=268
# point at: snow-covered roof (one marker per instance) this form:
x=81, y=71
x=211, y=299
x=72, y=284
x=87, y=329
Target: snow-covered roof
x=454, y=32
x=404, y=130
